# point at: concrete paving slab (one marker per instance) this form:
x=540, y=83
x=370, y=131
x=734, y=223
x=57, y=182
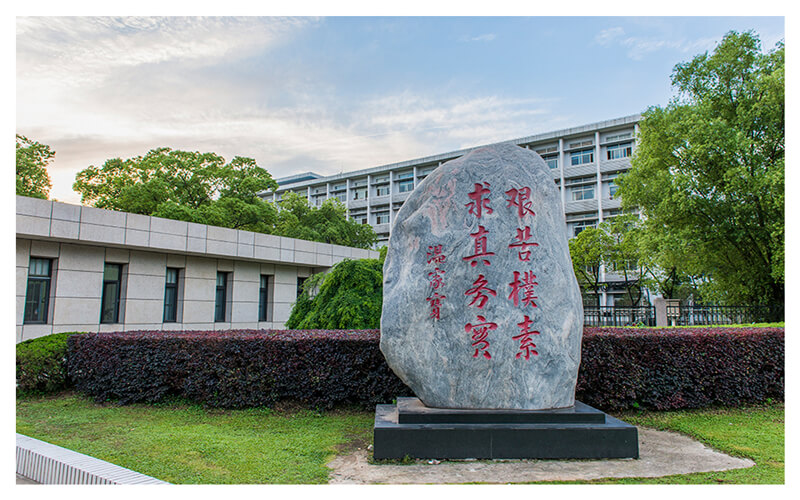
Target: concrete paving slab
x=661, y=454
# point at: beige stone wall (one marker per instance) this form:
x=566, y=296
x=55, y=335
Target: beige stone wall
x=80, y=240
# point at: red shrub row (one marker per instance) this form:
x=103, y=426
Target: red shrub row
x=680, y=367
x=620, y=368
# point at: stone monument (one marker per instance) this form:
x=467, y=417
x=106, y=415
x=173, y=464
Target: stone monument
x=482, y=319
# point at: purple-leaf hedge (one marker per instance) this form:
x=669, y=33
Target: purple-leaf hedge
x=620, y=368
x=667, y=369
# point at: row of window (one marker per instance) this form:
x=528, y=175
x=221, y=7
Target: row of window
x=37, y=295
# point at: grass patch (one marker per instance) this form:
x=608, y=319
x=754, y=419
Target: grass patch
x=185, y=443
x=754, y=432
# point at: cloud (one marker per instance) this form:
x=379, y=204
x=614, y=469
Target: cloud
x=487, y=37
x=99, y=88
x=637, y=47
x=606, y=36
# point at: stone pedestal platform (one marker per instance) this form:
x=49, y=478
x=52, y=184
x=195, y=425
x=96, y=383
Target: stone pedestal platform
x=412, y=429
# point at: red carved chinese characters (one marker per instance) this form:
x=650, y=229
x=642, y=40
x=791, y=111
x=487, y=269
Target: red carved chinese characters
x=525, y=286
x=480, y=332
x=478, y=289
x=519, y=198
x=522, y=243
x=526, y=342
x=435, y=280
x=435, y=254
x=478, y=202
x=435, y=302
x=481, y=250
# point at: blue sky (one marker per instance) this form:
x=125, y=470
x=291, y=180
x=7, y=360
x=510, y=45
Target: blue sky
x=341, y=93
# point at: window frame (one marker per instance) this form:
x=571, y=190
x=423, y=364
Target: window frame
x=580, y=156
x=117, y=296
x=43, y=305
x=266, y=297
x=582, y=189
x=221, y=306
x=171, y=287
x=625, y=150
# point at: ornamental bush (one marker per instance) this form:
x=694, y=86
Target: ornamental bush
x=236, y=369
x=620, y=368
x=41, y=364
x=666, y=369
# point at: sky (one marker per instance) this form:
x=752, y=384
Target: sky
x=336, y=94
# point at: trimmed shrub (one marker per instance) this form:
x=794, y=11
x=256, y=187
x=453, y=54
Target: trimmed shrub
x=236, y=369
x=666, y=369
x=41, y=364
x=620, y=368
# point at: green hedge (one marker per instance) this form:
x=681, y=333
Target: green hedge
x=41, y=364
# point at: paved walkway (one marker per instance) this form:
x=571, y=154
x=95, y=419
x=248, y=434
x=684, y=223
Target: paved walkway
x=660, y=454
x=25, y=480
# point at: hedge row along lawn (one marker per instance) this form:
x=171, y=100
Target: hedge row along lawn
x=188, y=444
x=621, y=368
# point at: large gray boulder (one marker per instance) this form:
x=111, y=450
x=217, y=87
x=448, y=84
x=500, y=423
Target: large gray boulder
x=481, y=308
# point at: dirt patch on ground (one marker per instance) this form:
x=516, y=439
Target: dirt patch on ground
x=661, y=453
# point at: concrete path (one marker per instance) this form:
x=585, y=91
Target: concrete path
x=660, y=454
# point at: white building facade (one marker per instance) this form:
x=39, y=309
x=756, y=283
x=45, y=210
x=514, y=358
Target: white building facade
x=584, y=161
x=86, y=269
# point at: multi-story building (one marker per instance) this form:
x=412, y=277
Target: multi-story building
x=584, y=162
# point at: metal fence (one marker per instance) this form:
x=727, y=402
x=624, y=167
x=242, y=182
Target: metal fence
x=619, y=316
x=683, y=315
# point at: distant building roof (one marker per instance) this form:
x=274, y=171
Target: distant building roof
x=292, y=179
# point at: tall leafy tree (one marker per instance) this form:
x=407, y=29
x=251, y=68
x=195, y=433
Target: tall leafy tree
x=32, y=161
x=709, y=171
x=183, y=185
x=326, y=223
x=589, y=250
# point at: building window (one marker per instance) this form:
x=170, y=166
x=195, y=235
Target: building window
x=382, y=217
x=360, y=194
x=37, y=296
x=580, y=226
x=266, y=293
x=359, y=218
x=221, y=298
x=405, y=186
x=581, y=157
x=551, y=160
x=300, y=282
x=341, y=197
x=618, y=151
x=112, y=289
x=171, y=296
x=583, y=192
x=612, y=189
x=380, y=179
x=381, y=190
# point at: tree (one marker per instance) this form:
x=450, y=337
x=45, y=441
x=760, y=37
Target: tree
x=32, y=161
x=624, y=256
x=326, y=223
x=190, y=186
x=349, y=296
x=589, y=250
x=709, y=172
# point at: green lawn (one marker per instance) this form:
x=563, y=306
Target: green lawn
x=185, y=443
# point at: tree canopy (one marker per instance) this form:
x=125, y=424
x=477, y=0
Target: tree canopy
x=708, y=173
x=349, y=296
x=327, y=223
x=32, y=161
x=182, y=185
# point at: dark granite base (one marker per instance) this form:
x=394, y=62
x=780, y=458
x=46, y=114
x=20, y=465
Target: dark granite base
x=414, y=430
